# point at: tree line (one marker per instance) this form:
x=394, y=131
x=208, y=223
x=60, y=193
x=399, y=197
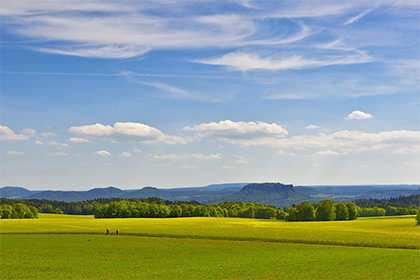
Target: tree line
x=18, y=211
x=87, y=207
x=154, y=207
x=410, y=201
x=140, y=209
x=323, y=211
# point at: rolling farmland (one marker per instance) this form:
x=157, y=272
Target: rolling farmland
x=64, y=246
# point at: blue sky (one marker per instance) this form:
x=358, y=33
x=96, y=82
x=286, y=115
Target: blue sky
x=186, y=93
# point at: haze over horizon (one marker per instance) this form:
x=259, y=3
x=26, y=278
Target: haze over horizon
x=174, y=94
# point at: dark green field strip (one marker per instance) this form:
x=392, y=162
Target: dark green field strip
x=66, y=256
x=230, y=238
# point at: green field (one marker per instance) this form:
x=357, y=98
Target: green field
x=63, y=247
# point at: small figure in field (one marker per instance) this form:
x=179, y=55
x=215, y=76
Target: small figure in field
x=107, y=231
x=117, y=231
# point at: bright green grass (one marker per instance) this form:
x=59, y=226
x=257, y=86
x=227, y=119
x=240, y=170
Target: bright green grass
x=391, y=232
x=75, y=247
x=64, y=256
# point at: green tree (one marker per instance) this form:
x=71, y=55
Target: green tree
x=341, y=212
x=306, y=211
x=325, y=211
x=6, y=211
x=353, y=210
x=391, y=211
x=418, y=216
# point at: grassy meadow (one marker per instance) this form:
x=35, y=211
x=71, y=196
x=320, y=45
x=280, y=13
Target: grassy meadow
x=64, y=247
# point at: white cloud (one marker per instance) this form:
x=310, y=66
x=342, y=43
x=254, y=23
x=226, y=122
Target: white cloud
x=39, y=142
x=329, y=153
x=15, y=153
x=312, y=127
x=241, y=159
x=281, y=152
x=125, y=154
x=230, y=129
x=228, y=167
x=390, y=142
x=127, y=131
x=59, y=154
x=48, y=134
x=102, y=153
x=137, y=151
x=357, y=17
x=188, y=156
x=359, y=115
x=58, y=145
x=243, y=61
x=28, y=131
x=190, y=166
x=79, y=140
x=132, y=29
x=8, y=134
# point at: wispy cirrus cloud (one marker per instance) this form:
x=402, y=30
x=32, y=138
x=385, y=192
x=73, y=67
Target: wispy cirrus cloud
x=242, y=61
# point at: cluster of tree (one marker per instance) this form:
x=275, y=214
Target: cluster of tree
x=81, y=207
x=140, y=209
x=18, y=211
x=252, y=210
x=371, y=212
x=389, y=211
x=411, y=201
x=323, y=211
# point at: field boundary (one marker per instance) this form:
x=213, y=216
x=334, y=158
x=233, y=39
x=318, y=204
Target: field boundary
x=227, y=238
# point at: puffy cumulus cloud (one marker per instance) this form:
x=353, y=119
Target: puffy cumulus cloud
x=237, y=130
x=28, y=131
x=15, y=153
x=398, y=141
x=102, y=153
x=127, y=131
x=312, y=127
x=359, y=115
x=125, y=154
x=188, y=156
x=137, y=151
x=7, y=134
x=38, y=142
x=79, y=140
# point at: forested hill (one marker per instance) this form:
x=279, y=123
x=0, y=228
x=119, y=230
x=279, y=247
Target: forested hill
x=411, y=201
x=276, y=194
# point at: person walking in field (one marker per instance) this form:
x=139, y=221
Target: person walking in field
x=117, y=231
x=107, y=231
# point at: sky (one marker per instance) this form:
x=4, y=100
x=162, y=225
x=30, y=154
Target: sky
x=179, y=93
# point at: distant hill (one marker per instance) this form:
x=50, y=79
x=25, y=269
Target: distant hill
x=266, y=193
x=80, y=195
x=276, y=194
x=15, y=192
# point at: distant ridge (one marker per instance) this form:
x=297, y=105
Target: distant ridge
x=276, y=194
x=267, y=193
